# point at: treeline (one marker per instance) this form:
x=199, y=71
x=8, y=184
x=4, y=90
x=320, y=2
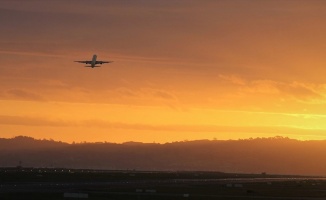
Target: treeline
x=276, y=155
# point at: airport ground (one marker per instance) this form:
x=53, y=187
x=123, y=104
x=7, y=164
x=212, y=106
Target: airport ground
x=53, y=184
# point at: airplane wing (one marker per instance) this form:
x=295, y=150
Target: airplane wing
x=86, y=61
x=102, y=62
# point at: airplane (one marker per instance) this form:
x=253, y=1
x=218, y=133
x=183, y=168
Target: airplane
x=93, y=63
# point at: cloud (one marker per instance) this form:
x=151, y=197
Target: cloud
x=146, y=93
x=164, y=95
x=56, y=84
x=295, y=89
x=279, y=130
x=233, y=79
x=24, y=95
x=302, y=90
x=262, y=87
x=125, y=92
x=26, y=53
x=31, y=121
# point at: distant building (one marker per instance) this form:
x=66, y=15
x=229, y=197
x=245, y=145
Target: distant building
x=150, y=191
x=75, y=195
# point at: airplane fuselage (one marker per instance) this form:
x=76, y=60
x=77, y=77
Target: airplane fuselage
x=93, y=63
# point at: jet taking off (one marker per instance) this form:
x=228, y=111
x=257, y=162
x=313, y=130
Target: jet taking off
x=93, y=63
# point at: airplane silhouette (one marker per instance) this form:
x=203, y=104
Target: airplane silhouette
x=93, y=63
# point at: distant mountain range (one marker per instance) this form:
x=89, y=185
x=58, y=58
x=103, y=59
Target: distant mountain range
x=275, y=155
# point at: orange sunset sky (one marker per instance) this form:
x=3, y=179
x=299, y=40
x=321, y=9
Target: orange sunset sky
x=183, y=69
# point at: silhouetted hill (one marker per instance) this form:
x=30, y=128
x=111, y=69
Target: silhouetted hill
x=25, y=143
x=276, y=155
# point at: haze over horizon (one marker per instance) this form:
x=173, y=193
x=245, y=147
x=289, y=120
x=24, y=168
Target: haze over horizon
x=183, y=70
x=277, y=155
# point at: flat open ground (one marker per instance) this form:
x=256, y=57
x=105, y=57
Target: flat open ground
x=32, y=183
